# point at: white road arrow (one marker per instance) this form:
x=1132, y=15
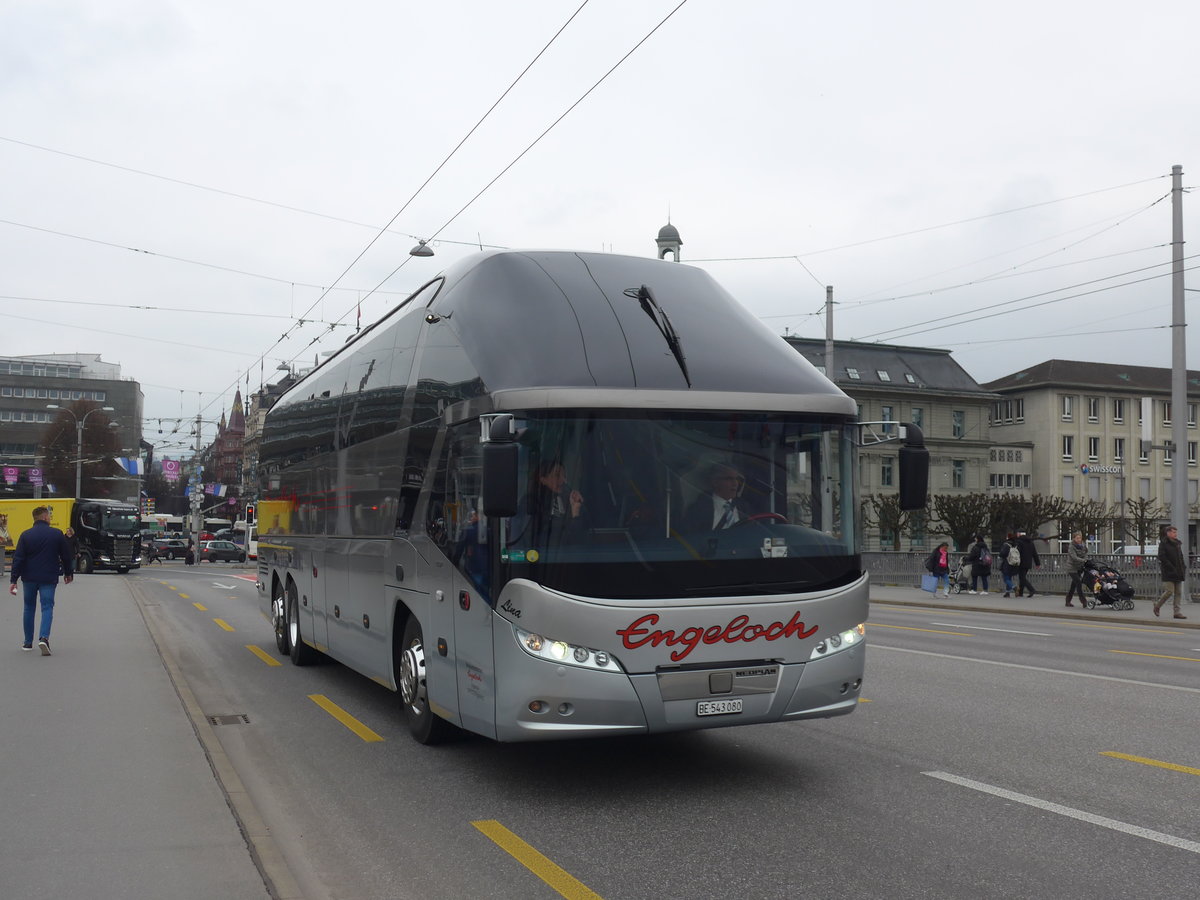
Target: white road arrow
x=224, y=587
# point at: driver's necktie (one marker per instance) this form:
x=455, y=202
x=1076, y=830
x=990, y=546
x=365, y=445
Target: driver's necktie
x=729, y=517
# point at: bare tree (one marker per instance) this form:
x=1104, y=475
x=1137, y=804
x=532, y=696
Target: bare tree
x=883, y=512
x=1143, y=519
x=60, y=441
x=1087, y=516
x=962, y=516
x=1012, y=512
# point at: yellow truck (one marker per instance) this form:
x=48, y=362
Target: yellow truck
x=17, y=515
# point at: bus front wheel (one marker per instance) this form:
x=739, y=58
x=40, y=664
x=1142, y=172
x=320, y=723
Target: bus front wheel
x=279, y=619
x=423, y=724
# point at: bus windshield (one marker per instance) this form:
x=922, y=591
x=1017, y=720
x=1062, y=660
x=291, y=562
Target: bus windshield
x=659, y=504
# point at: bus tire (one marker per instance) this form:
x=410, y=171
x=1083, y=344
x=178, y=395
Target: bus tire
x=425, y=726
x=279, y=619
x=302, y=654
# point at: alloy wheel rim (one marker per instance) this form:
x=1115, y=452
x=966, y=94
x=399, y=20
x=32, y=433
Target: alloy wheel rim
x=412, y=682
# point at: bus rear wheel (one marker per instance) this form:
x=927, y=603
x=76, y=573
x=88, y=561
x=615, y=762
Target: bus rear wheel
x=302, y=654
x=425, y=726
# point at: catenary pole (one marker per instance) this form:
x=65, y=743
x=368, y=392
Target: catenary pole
x=1180, y=514
x=829, y=332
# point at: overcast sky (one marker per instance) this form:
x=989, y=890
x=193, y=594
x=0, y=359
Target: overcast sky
x=180, y=181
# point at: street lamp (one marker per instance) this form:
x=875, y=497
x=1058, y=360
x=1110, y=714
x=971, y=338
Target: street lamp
x=79, y=422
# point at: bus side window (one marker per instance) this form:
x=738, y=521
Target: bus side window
x=454, y=520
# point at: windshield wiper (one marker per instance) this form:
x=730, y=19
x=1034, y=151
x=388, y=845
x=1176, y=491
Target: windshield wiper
x=644, y=296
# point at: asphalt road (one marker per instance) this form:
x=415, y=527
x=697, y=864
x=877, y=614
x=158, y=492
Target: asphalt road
x=993, y=756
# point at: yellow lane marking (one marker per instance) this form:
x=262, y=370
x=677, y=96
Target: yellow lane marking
x=224, y=624
x=345, y=718
x=263, y=655
x=201, y=607
x=185, y=596
x=910, y=628
x=1156, y=655
x=562, y=881
x=1188, y=770
x=863, y=700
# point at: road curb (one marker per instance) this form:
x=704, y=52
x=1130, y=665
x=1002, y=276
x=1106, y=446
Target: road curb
x=264, y=850
x=1064, y=613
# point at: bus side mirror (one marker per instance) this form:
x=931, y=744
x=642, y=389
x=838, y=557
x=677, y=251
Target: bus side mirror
x=500, y=460
x=914, y=469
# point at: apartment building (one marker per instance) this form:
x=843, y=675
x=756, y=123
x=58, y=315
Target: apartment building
x=1083, y=423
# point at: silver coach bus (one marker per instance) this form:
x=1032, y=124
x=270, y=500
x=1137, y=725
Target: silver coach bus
x=558, y=494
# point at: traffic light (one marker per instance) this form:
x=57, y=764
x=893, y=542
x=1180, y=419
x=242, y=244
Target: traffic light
x=249, y=513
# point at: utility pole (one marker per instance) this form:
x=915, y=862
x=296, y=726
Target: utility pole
x=197, y=524
x=1180, y=513
x=829, y=332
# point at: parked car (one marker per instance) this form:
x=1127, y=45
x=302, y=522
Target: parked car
x=171, y=548
x=226, y=551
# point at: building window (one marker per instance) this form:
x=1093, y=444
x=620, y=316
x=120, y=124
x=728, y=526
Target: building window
x=992, y=480
x=1119, y=490
x=1093, y=409
x=883, y=375
x=1143, y=453
x=1093, y=487
x=885, y=472
x=1093, y=449
x=852, y=373
x=1068, y=488
x=1168, y=456
x=887, y=417
x=918, y=417
x=1144, y=489
x=960, y=423
x=958, y=473
x=1019, y=409
x=1118, y=409
x=1191, y=453
x=1192, y=486
x=1118, y=449
x=1068, y=407
x=1068, y=448
x=1166, y=412
x=910, y=378
x=1008, y=411
x=1191, y=415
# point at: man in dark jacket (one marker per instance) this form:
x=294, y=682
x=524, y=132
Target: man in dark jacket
x=41, y=553
x=1029, y=560
x=1170, y=561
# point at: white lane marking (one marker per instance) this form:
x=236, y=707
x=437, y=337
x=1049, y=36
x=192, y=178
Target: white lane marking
x=981, y=628
x=1104, y=822
x=226, y=587
x=992, y=662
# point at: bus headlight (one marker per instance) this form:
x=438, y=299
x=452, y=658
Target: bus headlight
x=836, y=642
x=565, y=653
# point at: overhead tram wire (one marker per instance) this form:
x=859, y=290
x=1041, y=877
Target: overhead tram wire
x=1007, y=272
x=168, y=309
x=536, y=140
x=408, y=202
x=190, y=262
x=136, y=337
x=235, y=195
x=975, y=315
x=889, y=237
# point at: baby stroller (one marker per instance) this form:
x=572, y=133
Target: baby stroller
x=960, y=578
x=1106, y=587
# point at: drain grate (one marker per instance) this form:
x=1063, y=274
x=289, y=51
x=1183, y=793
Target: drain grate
x=235, y=719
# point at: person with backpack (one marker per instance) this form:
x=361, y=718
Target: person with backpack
x=1027, y=559
x=1007, y=571
x=1076, y=556
x=938, y=564
x=980, y=559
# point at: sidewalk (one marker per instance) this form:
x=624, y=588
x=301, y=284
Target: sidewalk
x=1038, y=605
x=107, y=791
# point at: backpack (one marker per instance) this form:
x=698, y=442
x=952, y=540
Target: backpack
x=985, y=557
x=1014, y=556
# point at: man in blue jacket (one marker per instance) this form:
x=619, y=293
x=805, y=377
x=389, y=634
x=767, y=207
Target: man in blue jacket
x=41, y=553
